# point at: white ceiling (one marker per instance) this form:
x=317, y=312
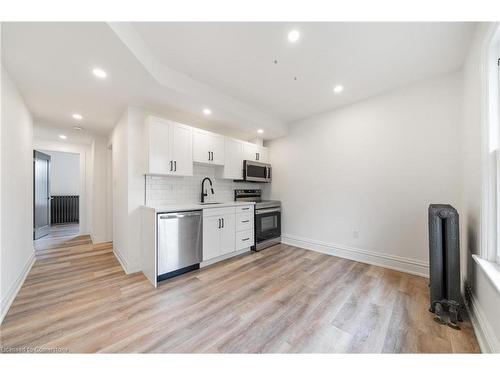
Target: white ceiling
x=175, y=69
x=367, y=58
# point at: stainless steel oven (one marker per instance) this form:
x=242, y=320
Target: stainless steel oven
x=267, y=217
x=267, y=227
x=256, y=171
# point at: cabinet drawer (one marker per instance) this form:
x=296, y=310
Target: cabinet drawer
x=244, y=239
x=244, y=221
x=242, y=209
x=218, y=211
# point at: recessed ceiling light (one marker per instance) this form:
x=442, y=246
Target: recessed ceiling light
x=260, y=131
x=77, y=116
x=62, y=136
x=293, y=36
x=99, y=73
x=338, y=89
x=207, y=111
x=77, y=128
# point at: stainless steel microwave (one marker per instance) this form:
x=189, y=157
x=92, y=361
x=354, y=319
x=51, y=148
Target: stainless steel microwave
x=256, y=172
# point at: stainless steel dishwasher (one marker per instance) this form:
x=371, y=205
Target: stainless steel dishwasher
x=179, y=243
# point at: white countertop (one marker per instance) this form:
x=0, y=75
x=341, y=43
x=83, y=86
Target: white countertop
x=193, y=206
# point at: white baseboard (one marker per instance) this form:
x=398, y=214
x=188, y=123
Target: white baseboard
x=122, y=261
x=412, y=266
x=486, y=338
x=126, y=267
x=11, y=294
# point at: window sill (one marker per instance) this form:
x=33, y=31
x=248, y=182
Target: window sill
x=491, y=269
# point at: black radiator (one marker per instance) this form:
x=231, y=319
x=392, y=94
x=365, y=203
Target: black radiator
x=444, y=258
x=64, y=209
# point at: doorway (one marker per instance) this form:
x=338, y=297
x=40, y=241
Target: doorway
x=56, y=195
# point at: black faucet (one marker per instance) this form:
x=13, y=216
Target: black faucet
x=203, y=193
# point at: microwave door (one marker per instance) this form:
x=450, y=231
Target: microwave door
x=257, y=172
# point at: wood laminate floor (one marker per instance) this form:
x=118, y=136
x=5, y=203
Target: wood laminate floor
x=284, y=299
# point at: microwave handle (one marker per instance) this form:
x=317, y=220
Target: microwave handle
x=268, y=173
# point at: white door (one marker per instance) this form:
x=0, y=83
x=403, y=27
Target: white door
x=217, y=149
x=201, y=146
x=182, y=149
x=250, y=152
x=233, y=154
x=227, y=237
x=159, y=161
x=41, y=185
x=211, y=237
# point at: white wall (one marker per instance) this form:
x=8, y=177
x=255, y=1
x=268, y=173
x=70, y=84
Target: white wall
x=101, y=228
x=372, y=168
x=475, y=154
x=119, y=144
x=64, y=173
x=128, y=152
x=16, y=218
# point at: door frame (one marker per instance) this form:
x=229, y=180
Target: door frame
x=84, y=152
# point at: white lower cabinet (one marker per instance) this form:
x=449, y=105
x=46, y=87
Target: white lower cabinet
x=244, y=227
x=244, y=239
x=211, y=237
x=218, y=232
x=227, y=234
x=226, y=231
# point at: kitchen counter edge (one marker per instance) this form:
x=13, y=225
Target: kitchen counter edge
x=193, y=206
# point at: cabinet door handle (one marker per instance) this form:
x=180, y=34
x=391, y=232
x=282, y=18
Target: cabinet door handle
x=171, y=166
x=246, y=239
x=212, y=156
x=222, y=222
x=175, y=165
x=219, y=223
x=245, y=221
x=244, y=209
x=208, y=155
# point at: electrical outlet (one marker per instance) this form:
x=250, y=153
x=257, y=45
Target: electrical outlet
x=355, y=234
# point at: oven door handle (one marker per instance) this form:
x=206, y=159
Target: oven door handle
x=266, y=211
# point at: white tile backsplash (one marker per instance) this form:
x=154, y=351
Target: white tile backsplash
x=164, y=190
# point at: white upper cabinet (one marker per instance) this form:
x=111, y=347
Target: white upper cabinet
x=255, y=153
x=169, y=148
x=208, y=148
x=201, y=146
x=233, y=166
x=218, y=152
x=262, y=154
x=158, y=135
x=182, y=149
